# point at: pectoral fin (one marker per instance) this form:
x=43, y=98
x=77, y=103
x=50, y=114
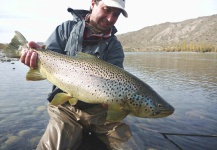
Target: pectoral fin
x=61, y=98
x=34, y=75
x=73, y=101
x=116, y=113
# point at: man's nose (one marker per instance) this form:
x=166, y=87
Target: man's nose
x=110, y=18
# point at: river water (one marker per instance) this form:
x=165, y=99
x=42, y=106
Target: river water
x=188, y=81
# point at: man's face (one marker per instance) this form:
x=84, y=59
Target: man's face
x=102, y=16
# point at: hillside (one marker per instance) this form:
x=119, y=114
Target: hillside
x=198, y=34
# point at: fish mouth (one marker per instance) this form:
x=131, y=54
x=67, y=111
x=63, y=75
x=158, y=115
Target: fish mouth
x=163, y=113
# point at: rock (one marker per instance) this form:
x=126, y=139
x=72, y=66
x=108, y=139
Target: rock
x=34, y=141
x=7, y=59
x=195, y=114
x=13, y=142
x=27, y=133
x=41, y=108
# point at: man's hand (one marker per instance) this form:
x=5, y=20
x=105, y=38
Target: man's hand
x=29, y=57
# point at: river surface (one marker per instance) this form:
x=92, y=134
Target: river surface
x=188, y=81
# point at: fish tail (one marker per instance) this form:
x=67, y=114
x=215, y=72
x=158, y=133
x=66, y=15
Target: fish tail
x=12, y=50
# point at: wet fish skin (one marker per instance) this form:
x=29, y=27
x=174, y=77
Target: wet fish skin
x=87, y=78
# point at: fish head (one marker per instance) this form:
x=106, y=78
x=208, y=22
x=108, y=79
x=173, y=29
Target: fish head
x=149, y=105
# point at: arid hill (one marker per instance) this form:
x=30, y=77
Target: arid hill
x=198, y=34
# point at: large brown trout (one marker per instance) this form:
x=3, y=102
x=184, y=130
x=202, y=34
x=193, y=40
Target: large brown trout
x=89, y=79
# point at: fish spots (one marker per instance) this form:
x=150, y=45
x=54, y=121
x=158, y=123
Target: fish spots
x=140, y=101
x=159, y=106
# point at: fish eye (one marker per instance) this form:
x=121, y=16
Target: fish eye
x=159, y=106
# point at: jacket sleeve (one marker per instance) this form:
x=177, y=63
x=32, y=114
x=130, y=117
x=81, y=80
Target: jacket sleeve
x=115, y=54
x=58, y=39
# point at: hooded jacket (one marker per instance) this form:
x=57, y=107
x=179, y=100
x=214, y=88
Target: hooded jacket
x=68, y=38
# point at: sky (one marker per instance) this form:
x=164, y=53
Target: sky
x=37, y=19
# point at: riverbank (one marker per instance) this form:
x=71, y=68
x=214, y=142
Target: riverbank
x=6, y=59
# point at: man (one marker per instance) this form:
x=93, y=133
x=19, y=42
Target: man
x=90, y=32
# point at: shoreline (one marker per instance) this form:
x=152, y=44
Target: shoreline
x=6, y=59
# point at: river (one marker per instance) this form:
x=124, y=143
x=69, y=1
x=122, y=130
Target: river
x=188, y=81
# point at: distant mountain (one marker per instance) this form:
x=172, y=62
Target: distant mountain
x=198, y=34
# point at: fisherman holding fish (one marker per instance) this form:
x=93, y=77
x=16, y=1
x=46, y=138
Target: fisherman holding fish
x=91, y=32
x=92, y=93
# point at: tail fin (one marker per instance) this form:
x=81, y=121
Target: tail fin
x=12, y=50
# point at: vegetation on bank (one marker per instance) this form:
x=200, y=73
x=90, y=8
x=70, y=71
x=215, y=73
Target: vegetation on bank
x=181, y=47
x=193, y=47
x=2, y=46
